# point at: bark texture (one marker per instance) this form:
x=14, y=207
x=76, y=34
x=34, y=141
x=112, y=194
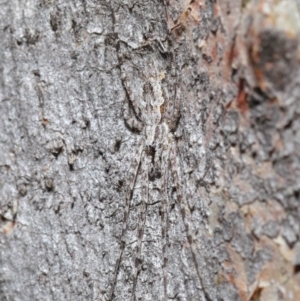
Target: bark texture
x=66, y=150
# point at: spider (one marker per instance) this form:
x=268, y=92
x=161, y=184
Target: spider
x=155, y=116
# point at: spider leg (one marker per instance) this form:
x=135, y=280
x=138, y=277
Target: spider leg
x=137, y=105
x=143, y=211
x=185, y=212
x=164, y=216
x=131, y=120
x=161, y=164
x=131, y=180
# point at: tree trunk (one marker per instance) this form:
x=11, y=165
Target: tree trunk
x=150, y=150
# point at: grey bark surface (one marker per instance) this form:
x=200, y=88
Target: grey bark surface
x=66, y=150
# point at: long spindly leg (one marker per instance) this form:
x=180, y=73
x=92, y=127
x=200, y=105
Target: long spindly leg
x=142, y=219
x=130, y=119
x=164, y=216
x=131, y=180
x=137, y=104
x=185, y=212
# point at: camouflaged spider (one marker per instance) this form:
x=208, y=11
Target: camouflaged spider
x=155, y=116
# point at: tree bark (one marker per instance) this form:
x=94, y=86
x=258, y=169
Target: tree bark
x=71, y=74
